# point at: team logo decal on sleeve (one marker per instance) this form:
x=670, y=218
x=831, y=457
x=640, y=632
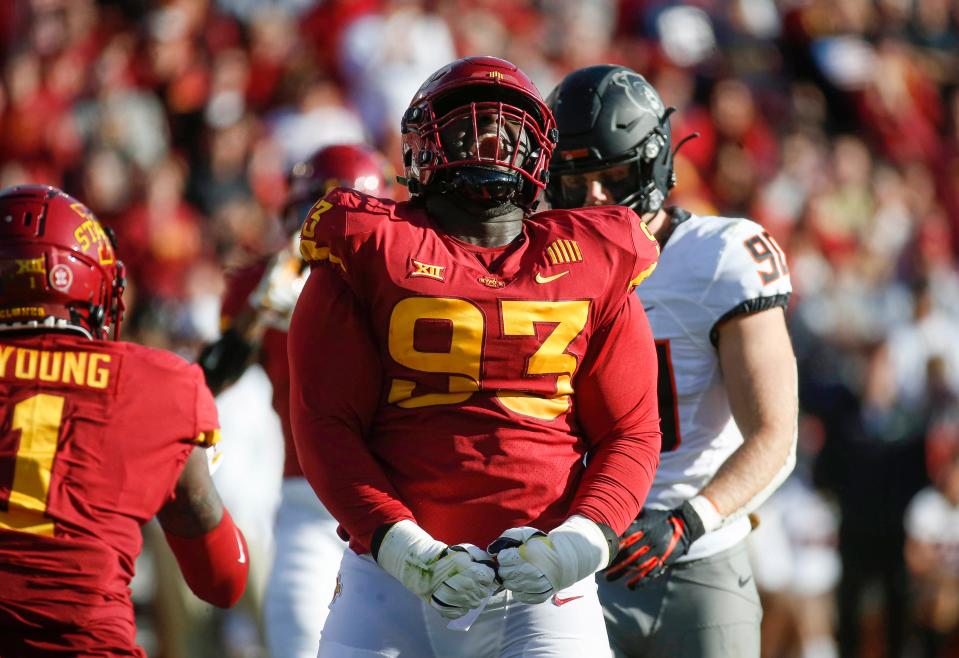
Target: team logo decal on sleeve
x=427, y=270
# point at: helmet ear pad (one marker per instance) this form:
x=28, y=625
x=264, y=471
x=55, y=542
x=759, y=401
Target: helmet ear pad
x=610, y=115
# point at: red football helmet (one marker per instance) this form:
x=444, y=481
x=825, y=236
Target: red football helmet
x=357, y=166
x=479, y=127
x=58, y=268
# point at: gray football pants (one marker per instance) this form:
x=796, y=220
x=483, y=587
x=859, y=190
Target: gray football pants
x=706, y=608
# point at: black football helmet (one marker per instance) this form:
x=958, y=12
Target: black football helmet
x=610, y=115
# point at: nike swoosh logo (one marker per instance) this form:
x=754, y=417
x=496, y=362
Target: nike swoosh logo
x=558, y=601
x=546, y=279
x=239, y=544
x=744, y=581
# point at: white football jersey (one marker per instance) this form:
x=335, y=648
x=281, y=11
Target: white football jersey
x=711, y=269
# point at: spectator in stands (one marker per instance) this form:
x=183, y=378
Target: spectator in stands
x=932, y=542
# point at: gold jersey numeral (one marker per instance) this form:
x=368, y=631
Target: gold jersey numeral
x=38, y=418
x=462, y=363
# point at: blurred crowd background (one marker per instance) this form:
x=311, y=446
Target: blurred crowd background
x=834, y=123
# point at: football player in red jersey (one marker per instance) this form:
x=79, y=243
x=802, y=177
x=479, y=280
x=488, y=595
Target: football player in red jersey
x=255, y=316
x=97, y=436
x=458, y=369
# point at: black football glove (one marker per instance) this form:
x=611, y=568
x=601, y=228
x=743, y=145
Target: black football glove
x=224, y=361
x=654, y=541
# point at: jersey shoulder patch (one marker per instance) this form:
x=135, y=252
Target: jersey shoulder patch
x=337, y=224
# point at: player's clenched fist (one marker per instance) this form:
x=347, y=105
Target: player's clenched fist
x=654, y=541
x=452, y=579
x=535, y=565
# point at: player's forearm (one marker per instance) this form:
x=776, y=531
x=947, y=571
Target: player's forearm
x=618, y=479
x=348, y=480
x=752, y=473
x=617, y=408
x=759, y=372
x=215, y=564
x=335, y=378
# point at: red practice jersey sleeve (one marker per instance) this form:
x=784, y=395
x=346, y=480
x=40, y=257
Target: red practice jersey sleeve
x=336, y=379
x=478, y=426
x=271, y=355
x=240, y=284
x=618, y=411
x=93, y=436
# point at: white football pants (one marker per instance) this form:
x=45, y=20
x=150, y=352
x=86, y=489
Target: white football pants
x=303, y=578
x=374, y=616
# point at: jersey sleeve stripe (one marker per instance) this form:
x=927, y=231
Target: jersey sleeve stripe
x=553, y=254
x=314, y=254
x=208, y=438
x=338, y=261
x=311, y=253
x=748, y=307
x=642, y=276
x=575, y=246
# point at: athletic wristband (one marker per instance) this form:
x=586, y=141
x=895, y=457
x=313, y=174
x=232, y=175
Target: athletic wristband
x=588, y=546
x=612, y=542
x=707, y=512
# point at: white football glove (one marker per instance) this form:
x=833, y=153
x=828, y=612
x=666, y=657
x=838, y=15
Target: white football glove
x=452, y=579
x=280, y=287
x=534, y=565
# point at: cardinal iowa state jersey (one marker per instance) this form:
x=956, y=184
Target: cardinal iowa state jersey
x=478, y=430
x=712, y=269
x=93, y=436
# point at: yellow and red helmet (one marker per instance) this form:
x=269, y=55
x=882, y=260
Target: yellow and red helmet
x=58, y=267
x=480, y=128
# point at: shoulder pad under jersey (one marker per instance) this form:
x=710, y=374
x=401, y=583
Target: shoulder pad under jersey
x=625, y=242
x=338, y=223
x=187, y=399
